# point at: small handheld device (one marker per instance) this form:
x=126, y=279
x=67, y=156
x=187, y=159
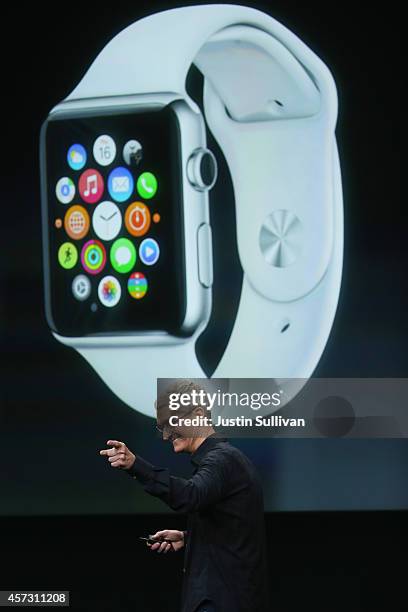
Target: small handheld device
x=149, y=540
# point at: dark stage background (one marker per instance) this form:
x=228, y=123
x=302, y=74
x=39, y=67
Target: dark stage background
x=69, y=521
x=325, y=562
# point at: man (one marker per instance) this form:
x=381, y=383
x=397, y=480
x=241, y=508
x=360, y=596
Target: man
x=225, y=557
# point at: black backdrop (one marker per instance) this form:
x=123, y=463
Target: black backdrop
x=55, y=412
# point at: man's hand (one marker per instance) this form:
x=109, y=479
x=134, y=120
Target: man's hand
x=176, y=537
x=119, y=456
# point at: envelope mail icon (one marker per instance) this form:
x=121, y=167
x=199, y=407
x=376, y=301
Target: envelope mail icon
x=120, y=184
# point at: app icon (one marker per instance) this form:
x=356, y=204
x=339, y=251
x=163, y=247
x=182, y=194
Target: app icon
x=91, y=186
x=123, y=255
x=120, y=184
x=76, y=157
x=76, y=222
x=93, y=256
x=81, y=287
x=147, y=185
x=67, y=255
x=65, y=190
x=149, y=251
x=104, y=150
x=109, y=291
x=107, y=220
x=137, y=219
x=133, y=153
x=137, y=285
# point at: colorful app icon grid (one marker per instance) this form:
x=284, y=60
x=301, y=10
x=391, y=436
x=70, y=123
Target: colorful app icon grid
x=107, y=221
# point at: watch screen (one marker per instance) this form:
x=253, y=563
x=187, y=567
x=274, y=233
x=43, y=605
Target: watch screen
x=114, y=224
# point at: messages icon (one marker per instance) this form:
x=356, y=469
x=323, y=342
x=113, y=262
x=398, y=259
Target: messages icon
x=123, y=255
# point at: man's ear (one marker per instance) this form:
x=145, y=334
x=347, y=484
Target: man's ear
x=199, y=411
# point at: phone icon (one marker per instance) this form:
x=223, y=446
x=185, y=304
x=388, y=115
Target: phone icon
x=147, y=185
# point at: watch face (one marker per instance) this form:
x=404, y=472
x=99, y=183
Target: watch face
x=113, y=223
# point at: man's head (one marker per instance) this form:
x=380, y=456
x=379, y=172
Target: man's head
x=183, y=400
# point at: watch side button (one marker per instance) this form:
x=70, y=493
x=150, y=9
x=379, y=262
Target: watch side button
x=204, y=247
x=202, y=169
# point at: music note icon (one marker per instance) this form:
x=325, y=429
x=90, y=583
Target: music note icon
x=91, y=186
x=92, y=179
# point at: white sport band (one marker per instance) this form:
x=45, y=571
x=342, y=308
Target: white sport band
x=278, y=137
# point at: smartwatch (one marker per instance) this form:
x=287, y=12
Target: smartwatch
x=125, y=180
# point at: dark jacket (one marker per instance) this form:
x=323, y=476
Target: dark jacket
x=225, y=555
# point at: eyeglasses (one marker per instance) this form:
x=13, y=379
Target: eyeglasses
x=165, y=429
x=171, y=432
x=168, y=431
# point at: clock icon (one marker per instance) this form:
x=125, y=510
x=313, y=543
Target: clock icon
x=107, y=220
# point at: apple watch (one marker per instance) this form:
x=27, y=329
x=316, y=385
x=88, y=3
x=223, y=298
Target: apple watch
x=125, y=180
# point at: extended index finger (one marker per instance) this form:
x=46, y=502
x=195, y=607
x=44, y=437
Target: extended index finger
x=115, y=443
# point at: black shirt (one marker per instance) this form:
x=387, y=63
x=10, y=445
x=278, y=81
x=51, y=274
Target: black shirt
x=225, y=555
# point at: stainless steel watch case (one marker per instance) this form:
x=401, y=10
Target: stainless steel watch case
x=195, y=206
